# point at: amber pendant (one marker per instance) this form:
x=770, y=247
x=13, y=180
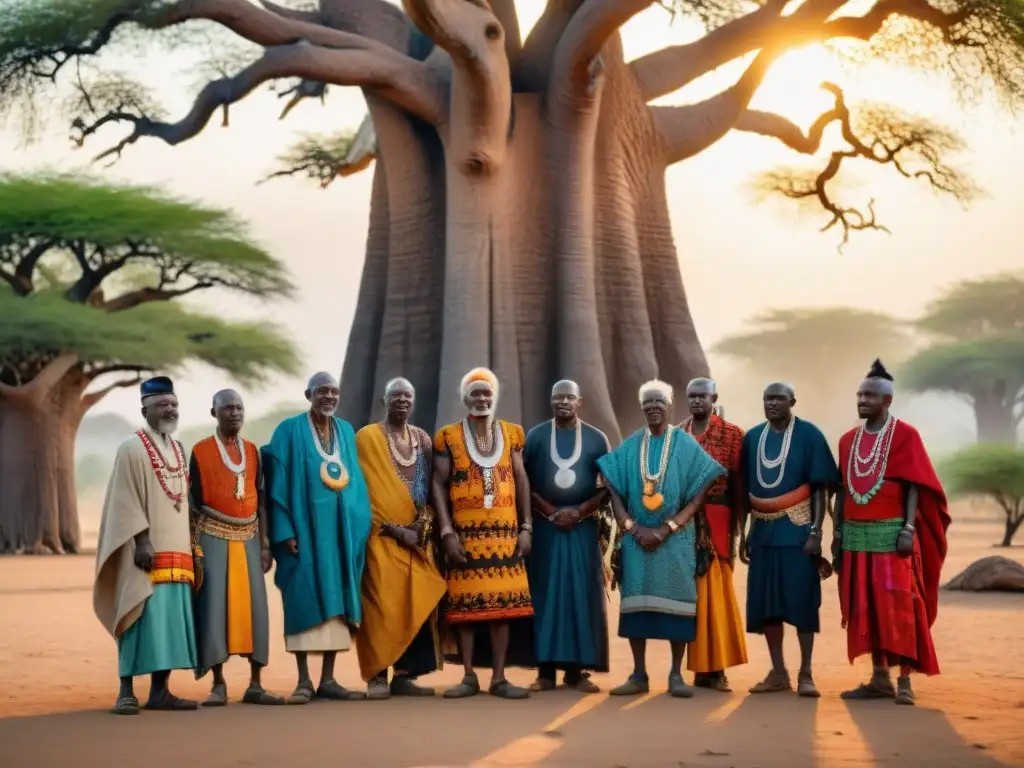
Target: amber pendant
x=652, y=501
x=649, y=488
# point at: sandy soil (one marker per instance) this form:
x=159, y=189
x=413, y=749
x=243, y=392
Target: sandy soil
x=58, y=677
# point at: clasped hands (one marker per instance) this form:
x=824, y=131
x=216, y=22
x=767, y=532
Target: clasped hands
x=650, y=539
x=455, y=553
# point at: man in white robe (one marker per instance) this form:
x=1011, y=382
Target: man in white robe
x=144, y=568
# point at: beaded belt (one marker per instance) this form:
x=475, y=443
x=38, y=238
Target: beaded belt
x=242, y=531
x=798, y=514
x=876, y=536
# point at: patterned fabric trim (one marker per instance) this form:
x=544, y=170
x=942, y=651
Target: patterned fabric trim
x=172, y=568
x=227, y=531
x=800, y=514
x=876, y=536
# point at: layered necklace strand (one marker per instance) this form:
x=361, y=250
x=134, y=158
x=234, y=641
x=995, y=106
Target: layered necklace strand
x=877, y=459
x=652, y=499
x=332, y=440
x=495, y=441
x=396, y=454
x=238, y=470
x=565, y=477
x=763, y=462
x=163, y=470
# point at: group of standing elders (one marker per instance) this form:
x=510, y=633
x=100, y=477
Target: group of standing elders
x=493, y=547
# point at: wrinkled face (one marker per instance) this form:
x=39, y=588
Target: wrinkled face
x=700, y=401
x=323, y=399
x=479, y=400
x=565, y=403
x=399, y=400
x=872, y=400
x=230, y=413
x=778, y=403
x=161, y=413
x=656, y=407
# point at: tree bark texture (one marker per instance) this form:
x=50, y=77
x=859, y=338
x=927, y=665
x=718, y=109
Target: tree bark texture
x=994, y=418
x=544, y=251
x=38, y=500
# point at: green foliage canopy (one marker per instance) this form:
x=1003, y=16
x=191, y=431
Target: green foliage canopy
x=990, y=470
x=90, y=267
x=975, y=308
x=964, y=366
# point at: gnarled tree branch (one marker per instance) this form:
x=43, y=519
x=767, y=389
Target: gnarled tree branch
x=576, y=64
x=665, y=71
x=914, y=147
x=505, y=12
x=89, y=399
x=406, y=82
x=481, y=92
x=295, y=14
x=36, y=390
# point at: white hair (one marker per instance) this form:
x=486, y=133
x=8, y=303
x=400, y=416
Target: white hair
x=395, y=382
x=483, y=376
x=704, y=383
x=656, y=385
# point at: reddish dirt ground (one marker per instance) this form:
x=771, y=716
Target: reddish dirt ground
x=58, y=677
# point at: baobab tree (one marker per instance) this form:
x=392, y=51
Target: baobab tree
x=518, y=215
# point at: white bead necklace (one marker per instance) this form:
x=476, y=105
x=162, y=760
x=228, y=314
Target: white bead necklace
x=486, y=463
x=763, y=462
x=645, y=448
x=565, y=477
x=393, y=446
x=882, y=441
x=237, y=469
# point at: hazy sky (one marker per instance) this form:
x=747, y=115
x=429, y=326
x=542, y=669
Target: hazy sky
x=760, y=256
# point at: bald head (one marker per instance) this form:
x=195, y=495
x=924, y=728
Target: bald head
x=229, y=411
x=322, y=393
x=701, y=395
x=565, y=402
x=779, y=399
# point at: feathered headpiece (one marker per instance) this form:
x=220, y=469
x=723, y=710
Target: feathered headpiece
x=479, y=376
x=879, y=371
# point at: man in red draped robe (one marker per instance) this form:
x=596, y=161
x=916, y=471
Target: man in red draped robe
x=890, y=543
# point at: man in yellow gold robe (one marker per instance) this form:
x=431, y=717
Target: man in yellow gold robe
x=402, y=586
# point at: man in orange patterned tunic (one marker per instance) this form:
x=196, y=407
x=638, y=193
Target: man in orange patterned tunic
x=481, y=498
x=233, y=550
x=720, y=642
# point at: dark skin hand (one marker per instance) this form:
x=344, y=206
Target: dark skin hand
x=525, y=543
x=818, y=506
x=454, y=553
x=144, y=553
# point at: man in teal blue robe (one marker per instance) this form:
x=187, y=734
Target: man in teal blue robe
x=319, y=518
x=788, y=471
x=565, y=567
x=658, y=478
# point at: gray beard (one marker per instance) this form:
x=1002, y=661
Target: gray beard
x=166, y=427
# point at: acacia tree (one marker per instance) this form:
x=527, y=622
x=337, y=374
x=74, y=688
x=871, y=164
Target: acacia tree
x=519, y=215
x=992, y=471
x=87, y=275
x=823, y=353
x=979, y=354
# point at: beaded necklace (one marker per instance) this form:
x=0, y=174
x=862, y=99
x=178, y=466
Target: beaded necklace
x=779, y=461
x=877, y=460
x=163, y=470
x=652, y=500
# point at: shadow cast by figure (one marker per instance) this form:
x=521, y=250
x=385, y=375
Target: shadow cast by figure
x=917, y=725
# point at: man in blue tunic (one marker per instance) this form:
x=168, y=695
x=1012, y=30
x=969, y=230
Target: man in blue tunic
x=319, y=514
x=788, y=471
x=565, y=567
x=657, y=479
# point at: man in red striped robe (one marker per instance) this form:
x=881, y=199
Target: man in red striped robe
x=889, y=545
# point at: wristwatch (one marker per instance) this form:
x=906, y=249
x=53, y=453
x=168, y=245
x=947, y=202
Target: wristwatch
x=672, y=525
x=629, y=525
x=526, y=527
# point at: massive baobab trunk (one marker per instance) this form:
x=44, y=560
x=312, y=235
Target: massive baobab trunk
x=530, y=233
x=38, y=424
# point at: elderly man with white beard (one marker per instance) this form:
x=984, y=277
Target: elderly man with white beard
x=144, y=570
x=481, y=498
